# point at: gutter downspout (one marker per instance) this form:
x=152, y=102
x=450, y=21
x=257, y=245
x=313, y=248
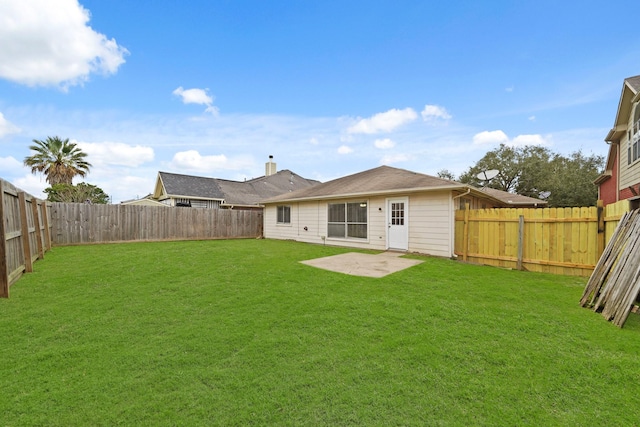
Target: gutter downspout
x=463, y=194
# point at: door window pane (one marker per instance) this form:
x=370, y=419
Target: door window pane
x=397, y=213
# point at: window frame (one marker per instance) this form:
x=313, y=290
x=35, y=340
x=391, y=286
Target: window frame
x=352, y=219
x=283, y=215
x=633, y=136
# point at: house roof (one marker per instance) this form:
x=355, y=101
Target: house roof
x=630, y=89
x=512, y=198
x=246, y=193
x=188, y=186
x=389, y=180
x=253, y=191
x=634, y=82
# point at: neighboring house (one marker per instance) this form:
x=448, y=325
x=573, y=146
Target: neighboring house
x=382, y=208
x=145, y=201
x=621, y=178
x=200, y=192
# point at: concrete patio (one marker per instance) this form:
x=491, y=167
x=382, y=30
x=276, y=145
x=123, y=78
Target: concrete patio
x=366, y=265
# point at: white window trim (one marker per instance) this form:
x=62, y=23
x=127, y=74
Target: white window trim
x=348, y=238
x=283, y=224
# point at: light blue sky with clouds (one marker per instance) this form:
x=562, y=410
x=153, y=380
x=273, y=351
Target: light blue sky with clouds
x=329, y=88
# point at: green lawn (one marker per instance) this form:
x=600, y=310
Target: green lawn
x=240, y=333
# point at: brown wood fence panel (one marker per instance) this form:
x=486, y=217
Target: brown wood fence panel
x=76, y=223
x=565, y=241
x=24, y=234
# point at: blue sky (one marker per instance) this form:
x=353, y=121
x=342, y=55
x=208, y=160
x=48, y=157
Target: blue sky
x=329, y=88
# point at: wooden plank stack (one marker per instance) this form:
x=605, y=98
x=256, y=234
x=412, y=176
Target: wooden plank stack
x=615, y=282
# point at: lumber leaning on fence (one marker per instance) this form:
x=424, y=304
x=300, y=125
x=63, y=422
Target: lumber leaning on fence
x=606, y=261
x=615, y=282
x=618, y=294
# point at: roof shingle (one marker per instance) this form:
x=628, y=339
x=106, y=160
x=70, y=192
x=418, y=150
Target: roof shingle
x=249, y=192
x=386, y=179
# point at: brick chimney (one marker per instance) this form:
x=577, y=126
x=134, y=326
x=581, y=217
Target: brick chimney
x=270, y=167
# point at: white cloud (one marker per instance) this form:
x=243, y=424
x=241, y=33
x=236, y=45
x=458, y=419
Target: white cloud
x=499, y=137
x=128, y=187
x=434, y=112
x=394, y=158
x=197, y=96
x=7, y=127
x=345, y=149
x=509, y=89
x=192, y=160
x=116, y=153
x=32, y=184
x=532, y=118
x=490, y=137
x=10, y=165
x=384, y=122
x=523, y=140
x=384, y=144
x=49, y=43
x=313, y=141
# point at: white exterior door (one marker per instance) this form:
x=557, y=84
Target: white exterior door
x=398, y=223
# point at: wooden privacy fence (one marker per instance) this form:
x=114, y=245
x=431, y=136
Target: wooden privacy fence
x=24, y=234
x=566, y=241
x=76, y=223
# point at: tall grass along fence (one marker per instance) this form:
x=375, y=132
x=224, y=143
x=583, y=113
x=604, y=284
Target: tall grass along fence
x=566, y=241
x=76, y=223
x=24, y=234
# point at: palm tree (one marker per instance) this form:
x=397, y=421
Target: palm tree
x=58, y=159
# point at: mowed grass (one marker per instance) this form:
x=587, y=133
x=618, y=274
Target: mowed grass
x=240, y=333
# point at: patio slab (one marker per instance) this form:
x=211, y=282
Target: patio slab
x=366, y=265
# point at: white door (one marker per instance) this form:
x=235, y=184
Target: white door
x=397, y=223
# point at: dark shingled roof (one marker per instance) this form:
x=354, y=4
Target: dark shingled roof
x=253, y=191
x=249, y=192
x=386, y=179
x=191, y=186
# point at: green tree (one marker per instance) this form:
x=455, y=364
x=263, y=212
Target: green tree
x=446, y=174
x=81, y=193
x=570, y=180
x=532, y=170
x=506, y=160
x=59, y=160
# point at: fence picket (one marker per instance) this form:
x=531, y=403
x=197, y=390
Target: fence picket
x=555, y=240
x=75, y=223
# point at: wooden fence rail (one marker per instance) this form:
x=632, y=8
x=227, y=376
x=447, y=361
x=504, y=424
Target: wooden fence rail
x=566, y=241
x=75, y=223
x=24, y=234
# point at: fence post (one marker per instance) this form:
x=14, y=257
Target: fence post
x=4, y=273
x=601, y=229
x=520, y=241
x=24, y=230
x=36, y=223
x=465, y=233
x=45, y=223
